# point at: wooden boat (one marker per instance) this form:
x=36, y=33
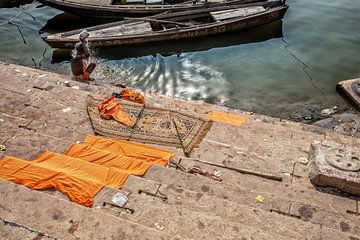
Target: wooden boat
x=117, y=9
x=252, y=35
x=174, y=26
x=350, y=90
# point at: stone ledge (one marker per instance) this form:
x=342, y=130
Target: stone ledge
x=334, y=165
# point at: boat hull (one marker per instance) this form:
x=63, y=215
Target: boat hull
x=121, y=11
x=186, y=33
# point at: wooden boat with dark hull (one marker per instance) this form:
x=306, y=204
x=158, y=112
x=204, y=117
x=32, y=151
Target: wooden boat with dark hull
x=117, y=9
x=178, y=47
x=173, y=26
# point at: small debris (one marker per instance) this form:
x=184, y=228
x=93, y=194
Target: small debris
x=160, y=227
x=2, y=148
x=78, y=142
x=17, y=70
x=328, y=111
x=119, y=199
x=74, y=226
x=260, y=199
x=67, y=84
x=2, y=120
x=250, y=113
x=308, y=118
x=66, y=109
x=217, y=173
x=287, y=174
x=42, y=76
x=303, y=160
x=29, y=90
x=75, y=87
x=24, y=74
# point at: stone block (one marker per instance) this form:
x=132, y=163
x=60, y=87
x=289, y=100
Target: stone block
x=335, y=165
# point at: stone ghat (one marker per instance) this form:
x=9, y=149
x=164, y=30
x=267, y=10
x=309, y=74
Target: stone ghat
x=40, y=113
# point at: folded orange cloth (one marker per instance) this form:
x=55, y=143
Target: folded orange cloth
x=95, y=173
x=104, y=158
x=226, y=118
x=131, y=95
x=130, y=149
x=110, y=108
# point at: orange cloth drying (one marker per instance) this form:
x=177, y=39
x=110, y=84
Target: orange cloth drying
x=36, y=177
x=130, y=149
x=85, y=170
x=110, y=108
x=226, y=118
x=104, y=158
x=131, y=95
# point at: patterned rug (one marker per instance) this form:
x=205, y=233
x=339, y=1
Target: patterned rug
x=152, y=125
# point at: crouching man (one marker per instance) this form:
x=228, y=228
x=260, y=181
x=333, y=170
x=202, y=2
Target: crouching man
x=81, y=66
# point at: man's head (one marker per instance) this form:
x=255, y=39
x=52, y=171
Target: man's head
x=83, y=35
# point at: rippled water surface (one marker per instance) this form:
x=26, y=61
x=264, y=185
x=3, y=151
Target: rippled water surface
x=287, y=69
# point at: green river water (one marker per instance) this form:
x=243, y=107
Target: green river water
x=287, y=69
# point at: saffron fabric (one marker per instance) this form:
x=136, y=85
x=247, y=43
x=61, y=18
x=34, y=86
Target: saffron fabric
x=111, y=108
x=85, y=169
x=104, y=158
x=79, y=180
x=36, y=177
x=226, y=118
x=130, y=149
x=133, y=96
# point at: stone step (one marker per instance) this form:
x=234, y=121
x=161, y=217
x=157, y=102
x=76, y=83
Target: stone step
x=235, y=184
x=229, y=220
x=213, y=205
x=11, y=231
x=179, y=220
x=65, y=220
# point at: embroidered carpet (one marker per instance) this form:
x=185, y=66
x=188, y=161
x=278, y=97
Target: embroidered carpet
x=152, y=125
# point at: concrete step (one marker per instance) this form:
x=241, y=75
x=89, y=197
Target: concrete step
x=303, y=218
x=179, y=220
x=212, y=203
x=61, y=219
x=235, y=185
x=234, y=220
x=11, y=231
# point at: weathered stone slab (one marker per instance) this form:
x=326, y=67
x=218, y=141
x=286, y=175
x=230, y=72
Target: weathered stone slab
x=11, y=231
x=334, y=165
x=236, y=188
x=65, y=220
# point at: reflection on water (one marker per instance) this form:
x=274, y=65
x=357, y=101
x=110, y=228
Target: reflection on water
x=287, y=70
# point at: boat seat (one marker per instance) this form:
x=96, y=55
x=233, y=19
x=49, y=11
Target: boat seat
x=235, y=13
x=139, y=27
x=96, y=2
x=126, y=29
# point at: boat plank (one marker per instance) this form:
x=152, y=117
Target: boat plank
x=235, y=13
x=95, y=2
x=120, y=30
